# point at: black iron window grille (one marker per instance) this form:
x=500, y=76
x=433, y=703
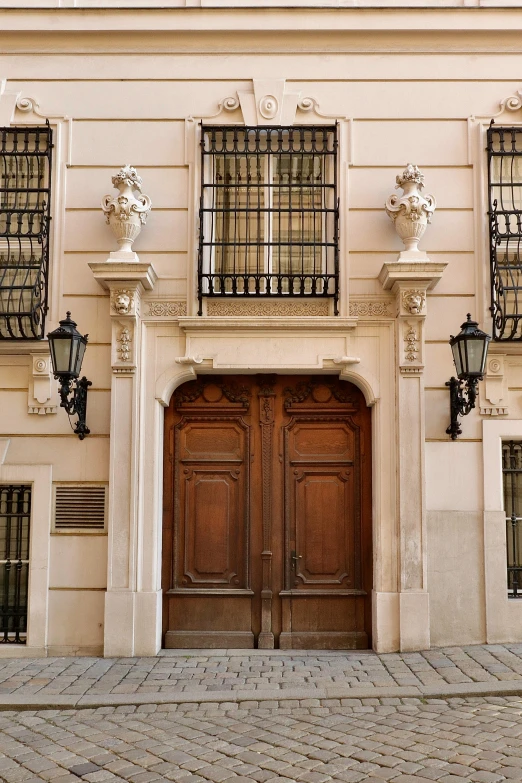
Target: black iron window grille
x=25, y=195
x=504, y=147
x=269, y=213
x=512, y=480
x=15, y=517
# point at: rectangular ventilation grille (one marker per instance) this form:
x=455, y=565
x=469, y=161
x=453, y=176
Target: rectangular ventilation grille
x=80, y=507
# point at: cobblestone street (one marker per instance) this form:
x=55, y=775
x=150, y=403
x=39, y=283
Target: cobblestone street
x=477, y=739
x=193, y=716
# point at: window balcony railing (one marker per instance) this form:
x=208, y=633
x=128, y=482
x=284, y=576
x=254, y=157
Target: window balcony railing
x=269, y=213
x=25, y=177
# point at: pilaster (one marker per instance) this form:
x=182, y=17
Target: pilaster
x=125, y=613
x=410, y=280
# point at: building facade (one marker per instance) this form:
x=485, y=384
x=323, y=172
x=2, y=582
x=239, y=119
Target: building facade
x=267, y=463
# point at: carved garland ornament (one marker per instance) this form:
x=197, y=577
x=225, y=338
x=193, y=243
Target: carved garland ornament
x=411, y=339
x=266, y=419
x=125, y=343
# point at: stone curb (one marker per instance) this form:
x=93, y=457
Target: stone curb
x=61, y=702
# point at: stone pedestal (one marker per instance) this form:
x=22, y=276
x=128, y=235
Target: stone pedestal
x=410, y=278
x=129, y=610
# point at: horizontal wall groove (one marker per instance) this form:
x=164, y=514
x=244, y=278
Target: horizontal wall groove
x=80, y=589
x=380, y=209
x=156, y=209
x=57, y=436
x=95, y=166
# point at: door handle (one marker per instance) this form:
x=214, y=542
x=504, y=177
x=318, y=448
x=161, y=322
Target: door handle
x=294, y=557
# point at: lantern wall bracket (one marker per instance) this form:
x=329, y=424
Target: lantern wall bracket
x=463, y=396
x=77, y=404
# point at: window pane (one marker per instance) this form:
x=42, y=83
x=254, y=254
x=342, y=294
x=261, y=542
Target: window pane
x=15, y=515
x=297, y=231
x=512, y=480
x=239, y=219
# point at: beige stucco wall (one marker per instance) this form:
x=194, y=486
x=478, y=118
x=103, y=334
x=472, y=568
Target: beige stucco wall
x=125, y=99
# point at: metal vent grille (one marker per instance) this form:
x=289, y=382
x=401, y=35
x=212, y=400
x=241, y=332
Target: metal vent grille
x=80, y=507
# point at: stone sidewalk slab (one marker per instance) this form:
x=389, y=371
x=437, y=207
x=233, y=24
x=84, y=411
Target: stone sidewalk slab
x=297, y=697
x=237, y=676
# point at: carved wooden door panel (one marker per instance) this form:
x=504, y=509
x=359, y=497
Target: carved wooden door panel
x=326, y=600
x=208, y=599
x=267, y=514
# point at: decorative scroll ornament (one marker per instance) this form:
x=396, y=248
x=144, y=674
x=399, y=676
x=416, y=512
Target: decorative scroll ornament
x=318, y=391
x=412, y=211
x=414, y=301
x=122, y=301
x=125, y=343
x=511, y=103
x=125, y=213
x=211, y=390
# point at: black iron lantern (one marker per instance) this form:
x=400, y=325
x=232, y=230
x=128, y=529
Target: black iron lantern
x=470, y=350
x=67, y=347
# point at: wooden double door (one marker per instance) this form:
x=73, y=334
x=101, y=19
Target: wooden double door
x=267, y=514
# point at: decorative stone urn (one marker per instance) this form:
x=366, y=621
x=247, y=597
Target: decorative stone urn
x=125, y=213
x=412, y=211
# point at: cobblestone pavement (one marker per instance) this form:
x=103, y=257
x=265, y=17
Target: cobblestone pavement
x=476, y=739
x=205, y=673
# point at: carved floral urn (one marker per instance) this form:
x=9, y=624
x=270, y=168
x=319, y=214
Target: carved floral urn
x=126, y=213
x=412, y=211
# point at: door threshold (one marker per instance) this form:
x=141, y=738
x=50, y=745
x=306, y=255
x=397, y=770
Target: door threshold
x=207, y=652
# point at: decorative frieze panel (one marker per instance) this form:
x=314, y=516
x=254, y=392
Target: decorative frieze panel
x=290, y=307
x=371, y=308
x=165, y=309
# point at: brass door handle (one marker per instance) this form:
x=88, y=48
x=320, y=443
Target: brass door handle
x=294, y=557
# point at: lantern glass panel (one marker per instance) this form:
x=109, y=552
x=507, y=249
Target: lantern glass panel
x=457, y=358
x=79, y=358
x=61, y=348
x=476, y=355
x=74, y=357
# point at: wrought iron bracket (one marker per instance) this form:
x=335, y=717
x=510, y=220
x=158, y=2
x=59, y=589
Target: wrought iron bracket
x=77, y=404
x=463, y=396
